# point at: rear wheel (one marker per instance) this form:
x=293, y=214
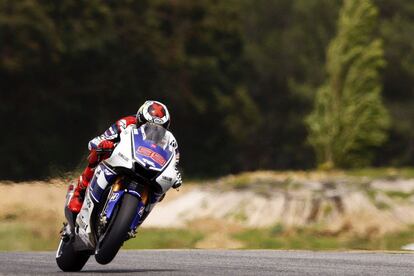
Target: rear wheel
x=118, y=230
x=68, y=259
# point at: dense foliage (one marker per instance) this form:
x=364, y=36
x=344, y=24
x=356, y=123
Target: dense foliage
x=349, y=118
x=239, y=78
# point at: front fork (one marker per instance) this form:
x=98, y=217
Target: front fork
x=119, y=188
x=121, y=185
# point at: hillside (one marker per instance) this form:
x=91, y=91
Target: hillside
x=264, y=199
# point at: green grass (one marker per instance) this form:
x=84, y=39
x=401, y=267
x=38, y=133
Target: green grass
x=271, y=239
x=387, y=173
x=313, y=239
x=398, y=194
x=20, y=237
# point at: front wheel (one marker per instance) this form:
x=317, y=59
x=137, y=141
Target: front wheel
x=68, y=259
x=118, y=230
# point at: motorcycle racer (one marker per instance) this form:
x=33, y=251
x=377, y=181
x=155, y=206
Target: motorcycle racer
x=102, y=146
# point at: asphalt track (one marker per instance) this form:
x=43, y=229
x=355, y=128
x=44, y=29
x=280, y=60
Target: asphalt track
x=219, y=262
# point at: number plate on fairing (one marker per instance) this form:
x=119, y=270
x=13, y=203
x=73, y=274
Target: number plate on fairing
x=148, y=153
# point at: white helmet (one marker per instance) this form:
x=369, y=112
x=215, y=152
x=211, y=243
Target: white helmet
x=154, y=112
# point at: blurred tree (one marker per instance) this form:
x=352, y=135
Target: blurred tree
x=285, y=51
x=27, y=34
x=69, y=69
x=238, y=76
x=349, y=117
x=396, y=27
x=202, y=78
x=41, y=82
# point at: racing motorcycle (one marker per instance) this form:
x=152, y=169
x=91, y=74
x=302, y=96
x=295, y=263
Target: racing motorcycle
x=124, y=189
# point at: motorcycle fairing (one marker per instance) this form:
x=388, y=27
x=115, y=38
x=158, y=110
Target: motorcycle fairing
x=83, y=221
x=148, y=153
x=103, y=175
x=122, y=155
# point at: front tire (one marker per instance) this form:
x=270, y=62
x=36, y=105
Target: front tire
x=118, y=230
x=68, y=259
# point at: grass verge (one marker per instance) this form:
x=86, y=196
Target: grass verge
x=20, y=237
x=16, y=236
x=313, y=239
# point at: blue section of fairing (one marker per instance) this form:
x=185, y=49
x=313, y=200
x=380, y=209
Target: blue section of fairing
x=139, y=141
x=108, y=173
x=95, y=190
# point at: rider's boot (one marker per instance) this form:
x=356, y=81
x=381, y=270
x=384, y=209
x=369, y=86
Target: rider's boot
x=75, y=204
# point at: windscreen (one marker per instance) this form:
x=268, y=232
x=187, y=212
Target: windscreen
x=155, y=133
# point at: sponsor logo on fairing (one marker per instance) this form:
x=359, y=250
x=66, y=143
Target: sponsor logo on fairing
x=152, y=154
x=88, y=203
x=123, y=157
x=82, y=223
x=166, y=178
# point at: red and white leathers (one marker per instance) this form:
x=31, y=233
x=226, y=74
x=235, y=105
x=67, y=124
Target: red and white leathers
x=100, y=148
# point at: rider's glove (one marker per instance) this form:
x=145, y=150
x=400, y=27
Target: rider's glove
x=105, y=149
x=106, y=145
x=101, y=153
x=179, y=179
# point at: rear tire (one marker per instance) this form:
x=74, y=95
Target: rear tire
x=118, y=230
x=68, y=259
